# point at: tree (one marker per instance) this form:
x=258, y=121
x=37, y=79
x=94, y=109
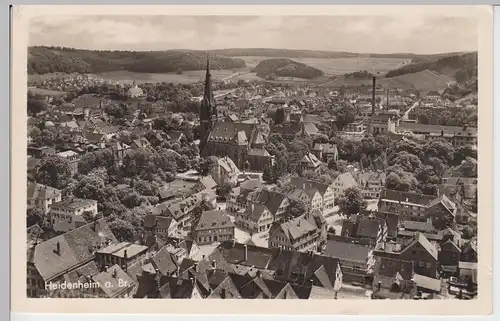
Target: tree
x=468, y=168
x=462, y=153
x=90, y=187
x=399, y=180
x=428, y=180
x=146, y=188
x=36, y=106
x=46, y=138
x=183, y=163
x=207, y=164
x=54, y=171
x=468, y=233
x=440, y=149
x=35, y=132
x=331, y=230
x=295, y=208
x=345, y=115
x=408, y=162
x=279, y=118
x=351, y=202
x=123, y=230
x=267, y=174
x=34, y=216
x=224, y=190
x=89, y=216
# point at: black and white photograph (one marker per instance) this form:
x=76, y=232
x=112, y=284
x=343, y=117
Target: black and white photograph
x=252, y=156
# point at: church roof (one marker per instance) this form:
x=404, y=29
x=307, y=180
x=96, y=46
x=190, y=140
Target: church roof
x=228, y=130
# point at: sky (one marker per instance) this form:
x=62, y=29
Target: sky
x=360, y=34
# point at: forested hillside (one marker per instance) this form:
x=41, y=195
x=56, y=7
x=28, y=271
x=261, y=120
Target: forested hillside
x=42, y=60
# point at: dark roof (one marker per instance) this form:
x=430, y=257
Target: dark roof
x=175, y=288
x=304, y=184
x=417, y=226
x=251, y=184
x=436, y=129
x=424, y=242
x=289, y=266
x=164, y=262
x=157, y=221
x=368, y=227
x=271, y=199
x=308, y=266
x=295, y=228
x=258, y=152
x=228, y=130
x=40, y=191
x=346, y=251
x=213, y=220
x=73, y=203
x=409, y=197
x=445, y=202
x=207, y=182
x=389, y=267
x=254, y=211
x=258, y=257
x=76, y=247
x=112, y=281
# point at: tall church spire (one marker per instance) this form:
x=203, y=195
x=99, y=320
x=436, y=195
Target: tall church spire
x=207, y=107
x=208, y=95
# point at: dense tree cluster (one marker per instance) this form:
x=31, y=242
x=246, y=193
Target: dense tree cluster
x=359, y=75
x=282, y=67
x=42, y=60
x=447, y=116
x=410, y=165
x=465, y=67
x=351, y=201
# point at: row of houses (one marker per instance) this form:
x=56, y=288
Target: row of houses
x=63, y=214
x=85, y=261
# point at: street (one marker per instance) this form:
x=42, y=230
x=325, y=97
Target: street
x=407, y=113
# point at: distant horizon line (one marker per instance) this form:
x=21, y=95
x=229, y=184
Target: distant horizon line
x=262, y=48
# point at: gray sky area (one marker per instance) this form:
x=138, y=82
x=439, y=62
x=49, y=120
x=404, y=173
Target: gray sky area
x=374, y=34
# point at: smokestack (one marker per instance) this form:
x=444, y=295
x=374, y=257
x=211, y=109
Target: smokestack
x=58, y=248
x=246, y=253
x=387, y=107
x=373, y=96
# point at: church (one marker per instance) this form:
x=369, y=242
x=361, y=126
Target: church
x=242, y=142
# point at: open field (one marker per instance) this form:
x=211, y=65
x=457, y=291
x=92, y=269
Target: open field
x=335, y=66
x=330, y=66
x=338, y=66
x=186, y=77
x=423, y=80
x=46, y=92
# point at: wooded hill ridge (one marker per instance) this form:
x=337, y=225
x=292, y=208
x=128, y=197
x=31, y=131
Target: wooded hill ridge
x=462, y=67
x=42, y=60
x=282, y=67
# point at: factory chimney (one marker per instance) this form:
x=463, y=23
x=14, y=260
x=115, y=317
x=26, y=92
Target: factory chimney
x=369, y=125
x=373, y=96
x=387, y=106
